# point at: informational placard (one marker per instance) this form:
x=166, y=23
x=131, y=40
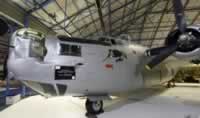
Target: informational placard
x=65, y=73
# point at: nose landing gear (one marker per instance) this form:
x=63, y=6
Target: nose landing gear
x=94, y=107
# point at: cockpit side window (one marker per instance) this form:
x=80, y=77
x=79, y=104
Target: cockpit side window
x=70, y=50
x=108, y=40
x=113, y=42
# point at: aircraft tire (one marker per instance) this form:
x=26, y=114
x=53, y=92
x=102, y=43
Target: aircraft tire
x=94, y=107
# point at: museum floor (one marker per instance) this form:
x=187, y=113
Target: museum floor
x=178, y=102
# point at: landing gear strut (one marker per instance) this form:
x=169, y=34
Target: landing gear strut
x=94, y=107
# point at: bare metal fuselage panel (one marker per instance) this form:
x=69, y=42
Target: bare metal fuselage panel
x=81, y=68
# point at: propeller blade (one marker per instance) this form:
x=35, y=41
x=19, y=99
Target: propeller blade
x=163, y=55
x=179, y=15
x=154, y=51
x=3, y=27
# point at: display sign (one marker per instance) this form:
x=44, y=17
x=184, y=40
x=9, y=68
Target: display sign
x=64, y=73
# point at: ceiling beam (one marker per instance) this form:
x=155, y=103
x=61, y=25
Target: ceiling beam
x=160, y=11
x=109, y=17
x=75, y=14
x=136, y=32
x=160, y=20
x=65, y=14
x=130, y=22
x=148, y=9
x=127, y=15
x=123, y=15
x=135, y=6
x=195, y=18
x=170, y=11
x=98, y=4
x=42, y=5
x=149, y=27
x=116, y=28
x=91, y=14
x=47, y=13
x=113, y=11
x=17, y=13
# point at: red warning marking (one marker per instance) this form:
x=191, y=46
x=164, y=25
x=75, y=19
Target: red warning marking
x=109, y=66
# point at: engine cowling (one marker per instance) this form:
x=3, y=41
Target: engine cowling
x=187, y=50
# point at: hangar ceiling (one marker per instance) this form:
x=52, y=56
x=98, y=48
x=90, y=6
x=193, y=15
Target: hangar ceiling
x=147, y=21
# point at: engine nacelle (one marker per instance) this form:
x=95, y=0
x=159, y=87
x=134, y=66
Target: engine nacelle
x=188, y=51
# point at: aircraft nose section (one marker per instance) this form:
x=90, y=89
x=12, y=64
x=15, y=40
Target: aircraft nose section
x=46, y=89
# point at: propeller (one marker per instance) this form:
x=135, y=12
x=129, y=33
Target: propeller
x=154, y=51
x=3, y=27
x=179, y=15
x=166, y=51
x=184, y=39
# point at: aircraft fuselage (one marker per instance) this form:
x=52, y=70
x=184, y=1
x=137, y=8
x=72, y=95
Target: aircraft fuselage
x=84, y=68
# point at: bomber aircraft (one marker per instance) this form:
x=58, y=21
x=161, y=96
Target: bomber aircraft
x=96, y=69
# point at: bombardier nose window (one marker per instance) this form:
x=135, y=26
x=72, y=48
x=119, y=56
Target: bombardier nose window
x=37, y=42
x=37, y=49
